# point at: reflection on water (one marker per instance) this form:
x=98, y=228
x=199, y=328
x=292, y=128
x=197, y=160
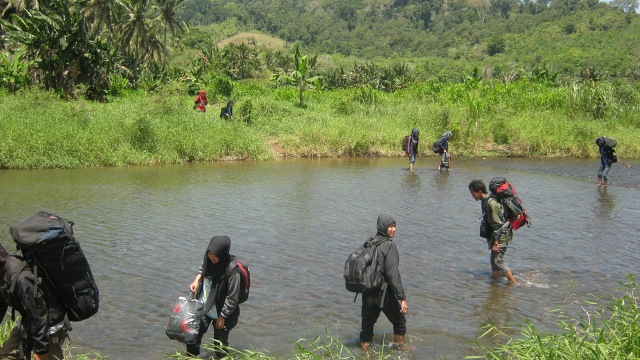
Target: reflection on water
x=294, y=222
x=605, y=200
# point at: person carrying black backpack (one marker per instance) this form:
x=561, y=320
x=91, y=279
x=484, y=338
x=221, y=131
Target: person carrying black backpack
x=607, y=158
x=43, y=325
x=219, y=292
x=390, y=299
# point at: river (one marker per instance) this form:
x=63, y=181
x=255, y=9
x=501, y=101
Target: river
x=145, y=230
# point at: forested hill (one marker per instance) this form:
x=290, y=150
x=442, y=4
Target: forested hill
x=446, y=37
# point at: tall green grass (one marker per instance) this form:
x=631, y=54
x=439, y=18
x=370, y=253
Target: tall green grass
x=611, y=332
x=487, y=119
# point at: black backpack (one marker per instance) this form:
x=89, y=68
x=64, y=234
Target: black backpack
x=436, y=148
x=514, y=212
x=405, y=144
x=362, y=273
x=49, y=247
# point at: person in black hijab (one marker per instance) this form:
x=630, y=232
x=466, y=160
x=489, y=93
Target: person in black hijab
x=413, y=147
x=391, y=299
x=219, y=292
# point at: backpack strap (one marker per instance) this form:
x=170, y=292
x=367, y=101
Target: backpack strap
x=486, y=208
x=14, y=278
x=233, y=264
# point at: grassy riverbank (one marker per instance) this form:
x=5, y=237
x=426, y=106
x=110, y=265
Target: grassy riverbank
x=488, y=119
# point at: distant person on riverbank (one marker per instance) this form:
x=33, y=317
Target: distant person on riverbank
x=412, y=149
x=441, y=147
x=497, y=232
x=201, y=101
x=39, y=312
x=607, y=158
x=227, y=111
x=219, y=290
x=390, y=299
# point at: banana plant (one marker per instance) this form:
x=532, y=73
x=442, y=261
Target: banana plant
x=301, y=77
x=14, y=71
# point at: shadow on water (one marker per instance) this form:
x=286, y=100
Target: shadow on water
x=144, y=231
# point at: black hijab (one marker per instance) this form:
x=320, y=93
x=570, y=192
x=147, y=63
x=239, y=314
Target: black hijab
x=220, y=245
x=384, y=221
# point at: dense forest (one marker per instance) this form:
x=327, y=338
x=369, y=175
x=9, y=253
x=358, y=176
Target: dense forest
x=100, y=48
x=443, y=38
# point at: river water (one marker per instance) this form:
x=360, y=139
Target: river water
x=145, y=230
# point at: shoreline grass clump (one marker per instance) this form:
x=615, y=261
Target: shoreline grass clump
x=611, y=332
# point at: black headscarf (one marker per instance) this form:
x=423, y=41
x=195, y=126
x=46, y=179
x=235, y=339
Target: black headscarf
x=384, y=221
x=415, y=133
x=220, y=245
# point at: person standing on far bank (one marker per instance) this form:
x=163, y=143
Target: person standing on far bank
x=390, y=299
x=500, y=234
x=201, y=101
x=413, y=147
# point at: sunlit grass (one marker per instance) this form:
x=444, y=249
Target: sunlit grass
x=487, y=119
x=611, y=332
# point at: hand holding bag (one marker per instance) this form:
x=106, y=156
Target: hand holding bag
x=184, y=324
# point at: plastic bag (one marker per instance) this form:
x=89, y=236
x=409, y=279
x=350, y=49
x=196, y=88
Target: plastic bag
x=183, y=323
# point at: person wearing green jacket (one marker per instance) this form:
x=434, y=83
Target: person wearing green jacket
x=499, y=234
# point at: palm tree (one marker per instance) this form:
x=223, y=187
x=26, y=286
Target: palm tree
x=100, y=13
x=167, y=10
x=138, y=32
x=17, y=6
x=240, y=60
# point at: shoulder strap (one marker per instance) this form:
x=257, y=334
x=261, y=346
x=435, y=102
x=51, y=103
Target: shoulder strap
x=233, y=264
x=375, y=241
x=486, y=208
x=14, y=278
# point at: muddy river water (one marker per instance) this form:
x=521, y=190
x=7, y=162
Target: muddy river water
x=145, y=229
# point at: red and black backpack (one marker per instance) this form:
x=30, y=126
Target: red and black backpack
x=512, y=207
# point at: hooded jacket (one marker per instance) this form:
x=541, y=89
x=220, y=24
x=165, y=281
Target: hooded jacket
x=415, y=139
x=444, y=141
x=390, y=259
x=201, y=101
x=26, y=298
x=225, y=289
x=606, y=152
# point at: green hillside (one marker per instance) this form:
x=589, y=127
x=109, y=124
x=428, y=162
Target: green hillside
x=443, y=38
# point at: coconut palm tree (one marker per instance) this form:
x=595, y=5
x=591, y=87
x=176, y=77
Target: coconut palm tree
x=137, y=33
x=167, y=15
x=100, y=13
x=16, y=6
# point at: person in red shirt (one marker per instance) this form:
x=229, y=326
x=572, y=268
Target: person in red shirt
x=201, y=101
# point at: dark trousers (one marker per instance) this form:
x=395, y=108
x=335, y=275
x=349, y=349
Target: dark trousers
x=11, y=349
x=221, y=336
x=371, y=311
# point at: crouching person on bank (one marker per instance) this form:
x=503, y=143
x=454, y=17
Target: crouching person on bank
x=42, y=327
